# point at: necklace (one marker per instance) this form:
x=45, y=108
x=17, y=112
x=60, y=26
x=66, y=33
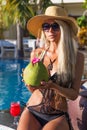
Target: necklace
x=50, y=66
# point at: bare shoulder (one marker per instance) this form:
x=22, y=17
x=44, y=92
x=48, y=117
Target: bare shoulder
x=80, y=57
x=78, y=70
x=80, y=63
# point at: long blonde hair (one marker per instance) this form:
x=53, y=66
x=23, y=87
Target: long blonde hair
x=67, y=51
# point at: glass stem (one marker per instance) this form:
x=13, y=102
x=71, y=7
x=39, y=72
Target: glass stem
x=15, y=120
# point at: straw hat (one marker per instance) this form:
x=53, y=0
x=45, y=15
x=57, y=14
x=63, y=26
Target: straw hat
x=52, y=12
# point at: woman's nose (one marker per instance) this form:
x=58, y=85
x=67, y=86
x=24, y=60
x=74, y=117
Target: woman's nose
x=50, y=29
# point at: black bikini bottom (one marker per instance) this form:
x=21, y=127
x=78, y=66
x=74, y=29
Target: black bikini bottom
x=45, y=118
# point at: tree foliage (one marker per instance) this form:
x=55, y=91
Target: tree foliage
x=85, y=4
x=17, y=11
x=41, y=6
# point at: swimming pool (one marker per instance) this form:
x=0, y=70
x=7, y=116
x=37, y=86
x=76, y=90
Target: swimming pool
x=11, y=86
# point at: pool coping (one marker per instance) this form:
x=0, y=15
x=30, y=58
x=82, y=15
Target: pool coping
x=6, y=119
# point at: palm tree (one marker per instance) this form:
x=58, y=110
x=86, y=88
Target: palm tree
x=1, y=21
x=85, y=4
x=18, y=12
x=40, y=5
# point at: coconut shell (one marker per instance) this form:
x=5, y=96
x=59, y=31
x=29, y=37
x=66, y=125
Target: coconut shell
x=33, y=74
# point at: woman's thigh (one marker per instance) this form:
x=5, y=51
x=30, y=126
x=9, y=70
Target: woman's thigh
x=28, y=121
x=59, y=123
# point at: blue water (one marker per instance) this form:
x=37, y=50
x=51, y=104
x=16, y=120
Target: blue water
x=11, y=86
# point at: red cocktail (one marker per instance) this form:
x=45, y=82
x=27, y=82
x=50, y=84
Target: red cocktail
x=15, y=110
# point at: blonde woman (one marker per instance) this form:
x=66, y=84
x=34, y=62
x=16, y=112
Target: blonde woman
x=47, y=107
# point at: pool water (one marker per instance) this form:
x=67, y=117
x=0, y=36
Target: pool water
x=11, y=86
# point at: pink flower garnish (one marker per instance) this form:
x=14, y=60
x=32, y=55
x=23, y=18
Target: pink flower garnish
x=35, y=60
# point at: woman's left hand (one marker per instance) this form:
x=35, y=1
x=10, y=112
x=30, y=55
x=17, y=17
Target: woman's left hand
x=45, y=85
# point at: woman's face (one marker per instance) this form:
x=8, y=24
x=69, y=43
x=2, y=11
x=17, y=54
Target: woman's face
x=51, y=30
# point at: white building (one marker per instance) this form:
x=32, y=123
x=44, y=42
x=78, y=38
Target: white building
x=73, y=7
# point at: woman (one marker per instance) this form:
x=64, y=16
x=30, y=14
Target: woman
x=47, y=107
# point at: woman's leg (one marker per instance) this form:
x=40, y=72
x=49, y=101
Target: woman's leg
x=28, y=121
x=59, y=123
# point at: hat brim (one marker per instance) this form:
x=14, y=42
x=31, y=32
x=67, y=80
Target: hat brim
x=35, y=23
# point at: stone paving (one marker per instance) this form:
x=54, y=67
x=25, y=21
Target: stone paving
x=6, y=119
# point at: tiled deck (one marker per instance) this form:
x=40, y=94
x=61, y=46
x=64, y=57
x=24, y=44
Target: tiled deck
x=6, y=119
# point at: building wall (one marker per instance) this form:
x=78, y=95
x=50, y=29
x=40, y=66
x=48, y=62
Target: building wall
x=11, y=33
x=74, y=9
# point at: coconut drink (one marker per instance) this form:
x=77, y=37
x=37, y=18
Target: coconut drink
x=35, y=72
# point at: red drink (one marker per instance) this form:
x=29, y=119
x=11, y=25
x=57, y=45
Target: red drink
x=15, y=108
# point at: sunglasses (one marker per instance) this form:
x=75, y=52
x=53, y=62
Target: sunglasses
x=47, y=26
